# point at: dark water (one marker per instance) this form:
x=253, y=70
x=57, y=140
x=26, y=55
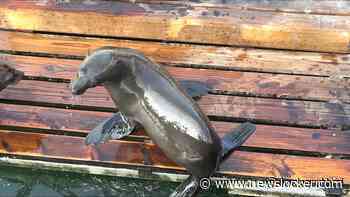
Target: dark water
x=23, y=182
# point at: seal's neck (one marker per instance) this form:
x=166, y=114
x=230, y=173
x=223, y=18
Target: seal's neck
x=113, y=88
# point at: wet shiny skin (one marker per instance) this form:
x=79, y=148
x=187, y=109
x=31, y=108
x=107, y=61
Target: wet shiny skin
x=145, y=92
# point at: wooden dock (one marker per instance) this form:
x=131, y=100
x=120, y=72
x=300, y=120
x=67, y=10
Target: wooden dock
x=282, y=65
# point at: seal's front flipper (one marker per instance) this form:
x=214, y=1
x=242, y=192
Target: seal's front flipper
x=116, y=127
x=195, y=89
x=237, y=137
x=188, y=188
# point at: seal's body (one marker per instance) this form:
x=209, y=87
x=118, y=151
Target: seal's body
x=145, y=93
x=8, y=75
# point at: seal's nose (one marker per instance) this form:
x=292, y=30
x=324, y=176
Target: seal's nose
x=80, y=85
x=18, y=76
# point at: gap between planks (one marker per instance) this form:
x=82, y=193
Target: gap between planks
x=313, y=142
x=235, y=83
x=223, y=58
x=258, y=110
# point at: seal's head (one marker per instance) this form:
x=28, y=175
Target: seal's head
x=92, y=68
x=9, y=75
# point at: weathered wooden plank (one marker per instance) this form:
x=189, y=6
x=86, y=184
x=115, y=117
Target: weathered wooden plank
x=275, y=61
x=324, y=7
x=228, y=82
x=321, y=7
x=274, y=137
x=50, y=118
x=232, y=26
x=278, y=111
x=123, y=152
x=292, y=138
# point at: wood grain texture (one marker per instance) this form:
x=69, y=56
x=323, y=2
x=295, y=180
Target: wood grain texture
x=320, y=7
x=227, y=82
x=234, y=58
x=232, y=26
x=238, y=163
x=273, y=137
x=277, y=111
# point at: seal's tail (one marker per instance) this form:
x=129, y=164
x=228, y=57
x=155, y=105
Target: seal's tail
x=237, y=137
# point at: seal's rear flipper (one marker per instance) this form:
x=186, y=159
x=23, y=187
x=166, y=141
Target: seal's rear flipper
x=116, y=127
x=237, y=137
x=195, y=89
x=188, y=188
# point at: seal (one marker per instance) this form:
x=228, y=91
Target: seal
x=119, y=126
x=147, y=95
x=9, y=75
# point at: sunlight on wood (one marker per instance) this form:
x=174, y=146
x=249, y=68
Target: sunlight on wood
x=177, y=25
x=22, y=20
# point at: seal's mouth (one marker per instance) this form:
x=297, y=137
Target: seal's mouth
x=18, y=75
x=80, y=85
